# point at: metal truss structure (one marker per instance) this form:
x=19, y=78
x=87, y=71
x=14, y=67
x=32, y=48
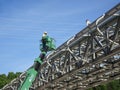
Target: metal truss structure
x=88, y=59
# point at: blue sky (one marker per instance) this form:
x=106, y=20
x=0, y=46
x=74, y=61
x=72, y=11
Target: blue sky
x=22, y=23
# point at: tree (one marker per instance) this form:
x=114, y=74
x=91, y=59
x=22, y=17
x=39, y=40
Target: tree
x=113, y=85
x=7, y=79
x=3, y=80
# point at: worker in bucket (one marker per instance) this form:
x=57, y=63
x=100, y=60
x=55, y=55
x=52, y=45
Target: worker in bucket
x=44, y=41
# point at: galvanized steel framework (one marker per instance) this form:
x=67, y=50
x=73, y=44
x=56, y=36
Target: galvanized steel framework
x=88, y=59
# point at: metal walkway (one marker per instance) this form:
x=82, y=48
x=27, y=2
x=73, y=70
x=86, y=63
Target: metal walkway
x=88, y=59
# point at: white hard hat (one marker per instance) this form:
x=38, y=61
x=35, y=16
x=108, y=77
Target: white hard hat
x=45, y=32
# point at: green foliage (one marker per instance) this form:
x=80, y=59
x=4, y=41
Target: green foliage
x=3, y=80
x=11, y=76
x=103, y=87
x=6, y=79
x=113, y=85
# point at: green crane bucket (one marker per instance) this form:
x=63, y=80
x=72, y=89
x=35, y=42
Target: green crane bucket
x=50, y=43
